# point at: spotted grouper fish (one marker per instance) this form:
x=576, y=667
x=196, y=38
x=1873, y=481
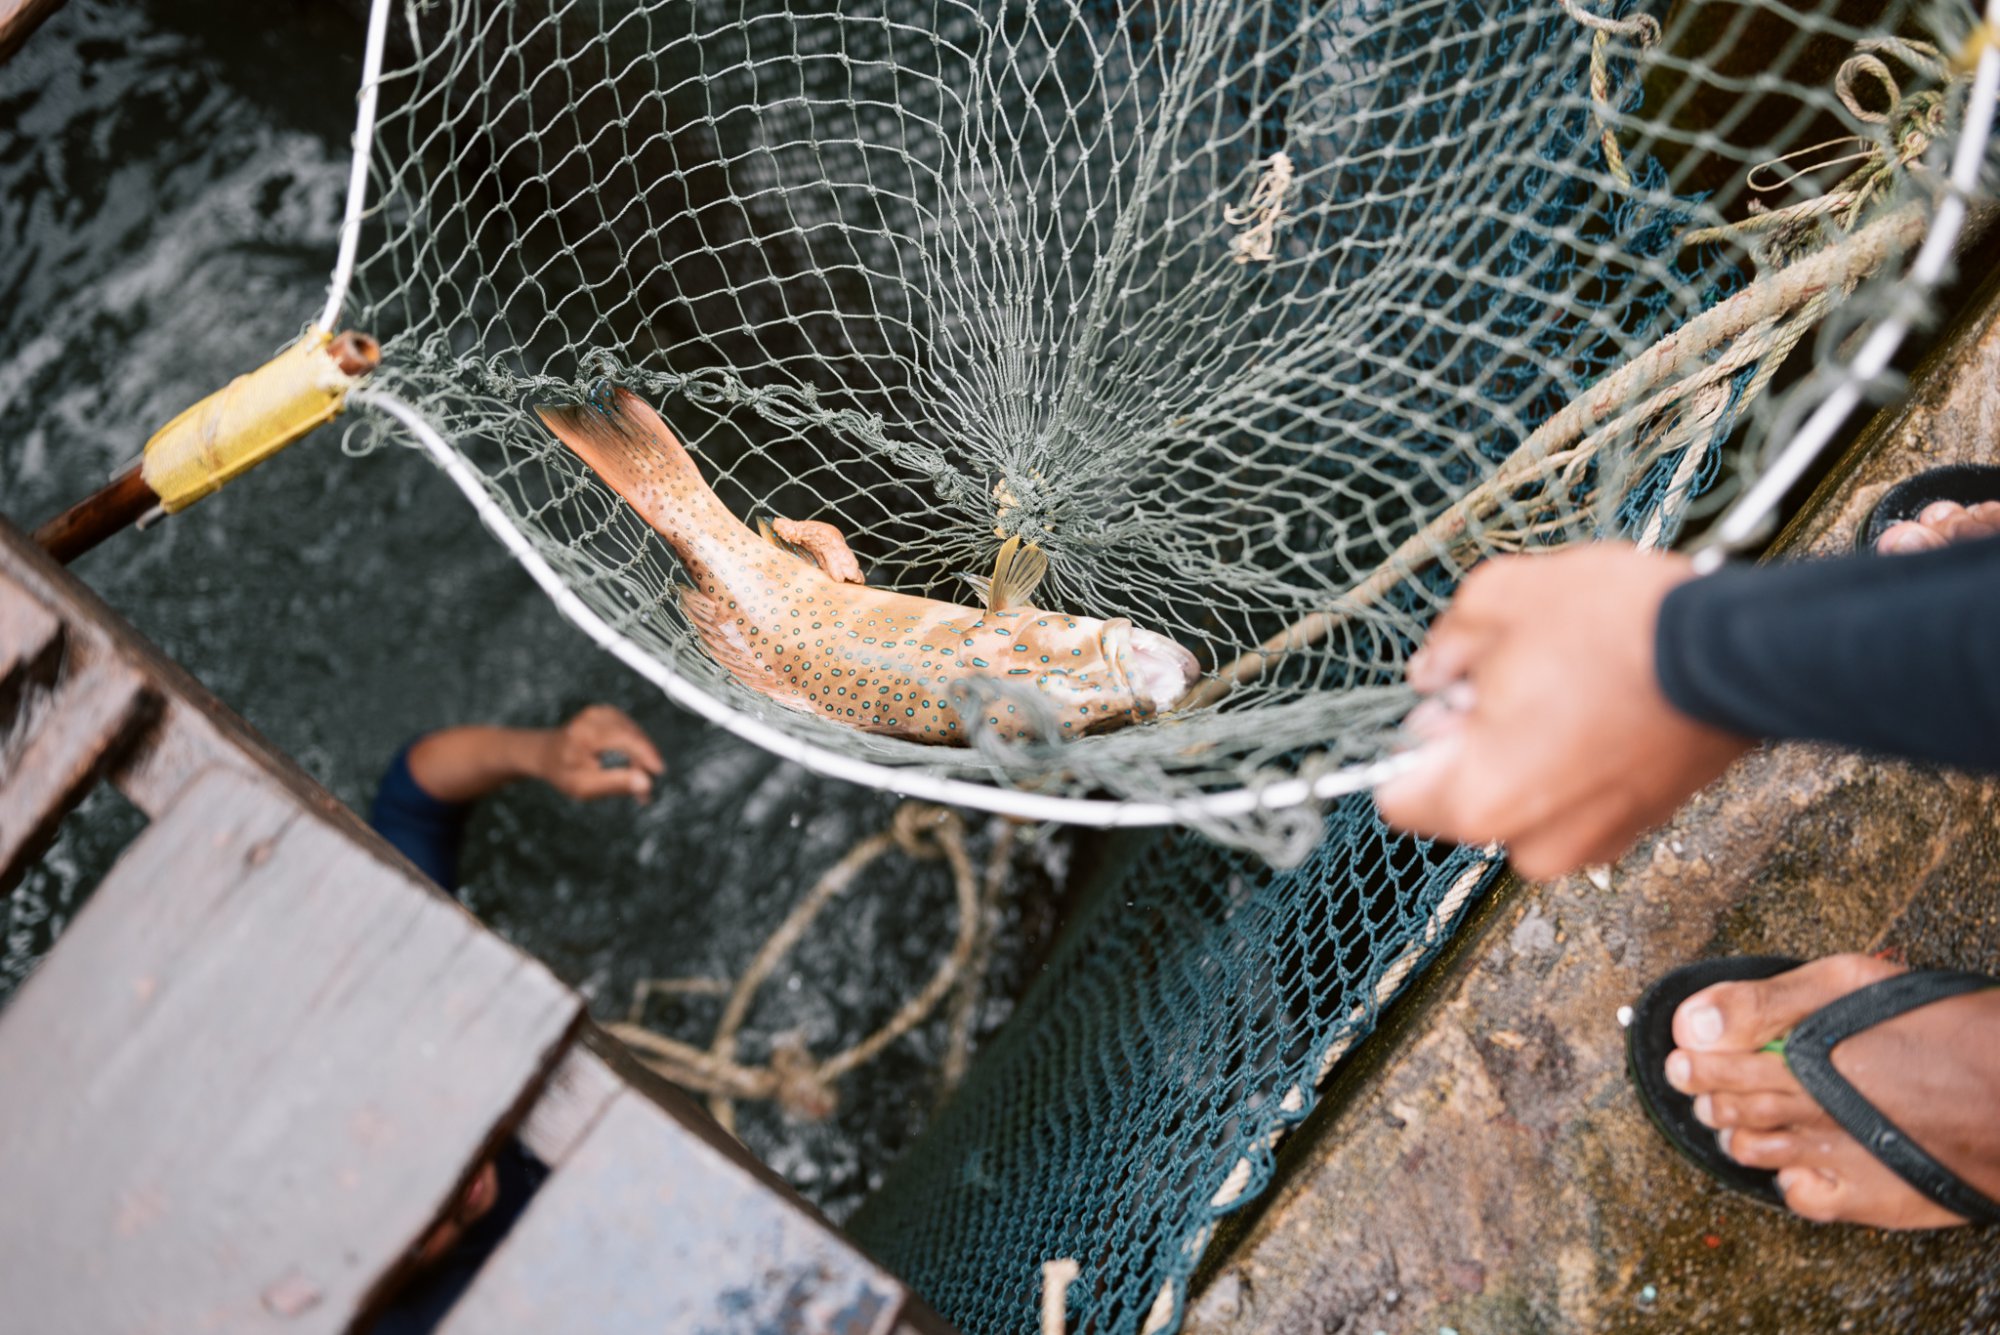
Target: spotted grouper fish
x=787, y=612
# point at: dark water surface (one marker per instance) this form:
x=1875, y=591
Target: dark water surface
x=171, y=178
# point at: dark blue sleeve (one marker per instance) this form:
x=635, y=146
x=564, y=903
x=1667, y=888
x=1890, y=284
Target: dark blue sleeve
x=1898, y=655
x=422, y=828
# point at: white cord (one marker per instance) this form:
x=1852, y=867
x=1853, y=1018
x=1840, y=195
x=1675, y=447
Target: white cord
x=1745, y=520
x=357, y=176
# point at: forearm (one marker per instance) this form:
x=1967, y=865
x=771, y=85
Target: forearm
x=1897, y=655
x=465, y=764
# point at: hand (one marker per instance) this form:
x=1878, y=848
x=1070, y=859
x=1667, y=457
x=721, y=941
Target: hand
x=570, y=759
x=1546, y=728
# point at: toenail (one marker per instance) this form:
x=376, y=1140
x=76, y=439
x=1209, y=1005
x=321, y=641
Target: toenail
x=1787, y=1178
x=1704, y=1110
x=1704, y=1024
x=1722, y=1139
x=1679, y=1070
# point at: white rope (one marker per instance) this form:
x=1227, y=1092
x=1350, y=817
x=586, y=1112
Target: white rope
x=357, y=175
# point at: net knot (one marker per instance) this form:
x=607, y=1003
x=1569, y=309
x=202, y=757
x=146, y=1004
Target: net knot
x=1021, y=509
x=799, y=1085
x=922, y=830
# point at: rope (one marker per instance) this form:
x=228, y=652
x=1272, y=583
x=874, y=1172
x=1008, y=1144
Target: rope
x=1576, y=434
x=1642, y=29
x=1914, y=123
x=1262, y=213
x=801, y=1085
x=965, y=1003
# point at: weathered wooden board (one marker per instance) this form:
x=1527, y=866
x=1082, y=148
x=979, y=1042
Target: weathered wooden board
x=578, y=1092
x=645, y=1227
x=196, y=732
x=28, y=632
x=259, y=1065
x=96, y=709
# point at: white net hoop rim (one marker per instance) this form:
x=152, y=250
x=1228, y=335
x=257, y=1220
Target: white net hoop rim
x=1741, y=525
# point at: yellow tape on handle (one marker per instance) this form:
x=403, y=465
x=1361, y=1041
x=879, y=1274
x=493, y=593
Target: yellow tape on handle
x=254, y=416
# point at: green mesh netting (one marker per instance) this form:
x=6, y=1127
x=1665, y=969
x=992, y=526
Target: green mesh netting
x=1183, y=1025
x=1226, y=305
x=1259, y=316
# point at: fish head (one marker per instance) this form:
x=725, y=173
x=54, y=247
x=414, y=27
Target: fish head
x=1155, y=671
x=1116, y=674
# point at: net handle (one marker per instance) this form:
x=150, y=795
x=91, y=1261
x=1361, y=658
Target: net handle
x=1745, y=522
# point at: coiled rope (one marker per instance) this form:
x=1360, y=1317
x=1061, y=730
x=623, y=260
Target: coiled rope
x=801, y=1084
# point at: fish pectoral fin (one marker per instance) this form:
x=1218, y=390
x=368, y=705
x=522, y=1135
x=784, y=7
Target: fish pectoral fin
x=1017, y=573
x=770, y=535
x=981, y=586
x=818, y=542
x=728, y=645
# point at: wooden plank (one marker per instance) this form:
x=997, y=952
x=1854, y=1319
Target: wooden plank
x=96, y=709
x=196, y=732
x=257, y=1069
x=646, y=1228
x=28, y=633
x=577, y=1094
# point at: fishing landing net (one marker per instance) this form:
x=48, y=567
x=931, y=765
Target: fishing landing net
x=1265, y=321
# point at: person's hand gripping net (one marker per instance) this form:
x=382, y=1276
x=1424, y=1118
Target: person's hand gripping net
x=1543, y=726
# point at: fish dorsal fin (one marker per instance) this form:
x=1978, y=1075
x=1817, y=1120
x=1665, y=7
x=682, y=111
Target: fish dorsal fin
x=1017, y=573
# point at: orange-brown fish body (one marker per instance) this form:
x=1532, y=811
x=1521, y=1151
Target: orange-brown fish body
x=872, y=659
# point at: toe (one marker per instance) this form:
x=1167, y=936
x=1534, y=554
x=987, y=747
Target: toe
x=1939, y=513
x=1856, y=1189
x=1748, y=1015
x=1907, y=537
x=1759, y=1149
x=1962, y=526
x=1811, y=1193
x=1735, y=1072
x=1988, y=514
x=1761, y=1110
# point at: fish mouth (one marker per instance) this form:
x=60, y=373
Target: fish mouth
x=1156, y=671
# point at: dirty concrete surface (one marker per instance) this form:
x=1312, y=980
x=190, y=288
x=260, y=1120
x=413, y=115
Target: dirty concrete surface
x=1494, y=1173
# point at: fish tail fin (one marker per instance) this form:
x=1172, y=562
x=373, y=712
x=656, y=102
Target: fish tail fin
x=627, y=444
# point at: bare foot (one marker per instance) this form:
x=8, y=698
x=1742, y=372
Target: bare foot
x=1938, y=523
x=1933, y=1071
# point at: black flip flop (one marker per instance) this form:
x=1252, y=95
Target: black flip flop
x=1968, y=484
x=1808, y=1052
